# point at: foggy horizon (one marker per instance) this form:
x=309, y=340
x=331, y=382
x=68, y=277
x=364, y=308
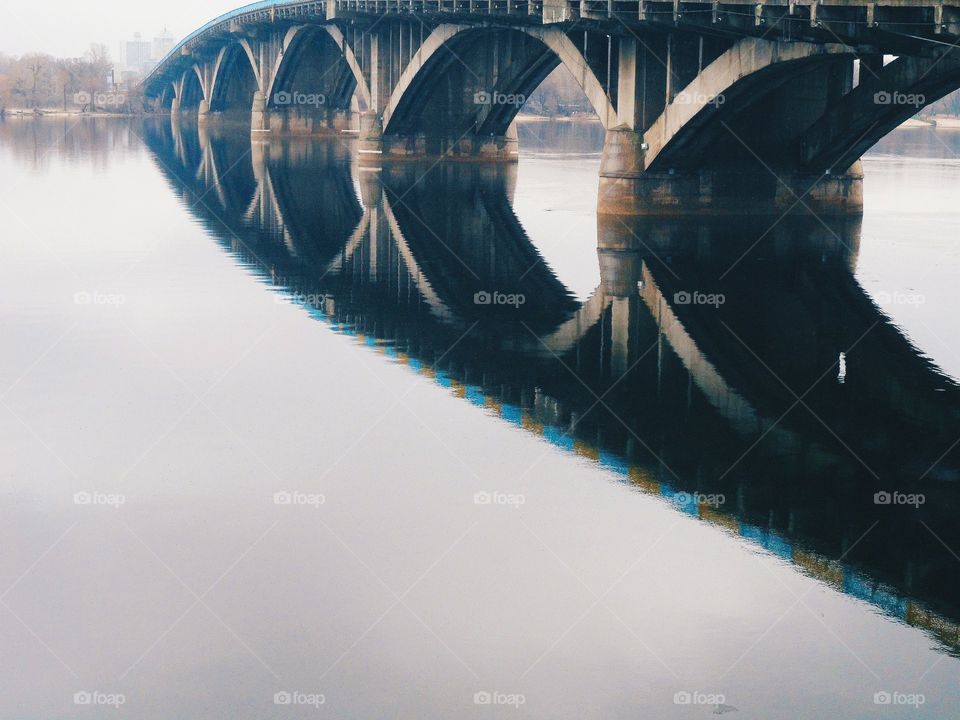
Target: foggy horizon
x=66, y=29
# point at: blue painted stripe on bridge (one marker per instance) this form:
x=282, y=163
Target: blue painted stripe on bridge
x=612, y=462
x=683, y=501
x=869, y=590
x=556, y=437
x=474, y=393
x=512, y=414
x=769, y=541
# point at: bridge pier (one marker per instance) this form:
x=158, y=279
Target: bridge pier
x=376, y=147
x=707, y=115
x=259, y=120
x=627, y=188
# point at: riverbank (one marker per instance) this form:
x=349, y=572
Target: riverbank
x=37, y=112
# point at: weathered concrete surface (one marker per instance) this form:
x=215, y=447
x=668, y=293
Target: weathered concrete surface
x=627, y=189
x=762, y=117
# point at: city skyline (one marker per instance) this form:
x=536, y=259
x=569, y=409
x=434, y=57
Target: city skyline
x=75, y=27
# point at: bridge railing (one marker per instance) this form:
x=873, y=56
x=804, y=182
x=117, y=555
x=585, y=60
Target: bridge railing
x=500, y=7
x=252, y=11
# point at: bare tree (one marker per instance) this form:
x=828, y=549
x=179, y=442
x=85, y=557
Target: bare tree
x=98, y=65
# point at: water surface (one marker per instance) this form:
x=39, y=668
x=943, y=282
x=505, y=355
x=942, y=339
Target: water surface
x=343, y=473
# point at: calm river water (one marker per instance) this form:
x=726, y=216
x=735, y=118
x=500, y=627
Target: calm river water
x=281, y=437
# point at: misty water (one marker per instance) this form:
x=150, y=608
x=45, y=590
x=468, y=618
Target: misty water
x=284, y=437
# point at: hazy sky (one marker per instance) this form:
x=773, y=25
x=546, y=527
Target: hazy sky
x=67, y=27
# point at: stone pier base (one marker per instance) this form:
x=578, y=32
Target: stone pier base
x=377, y=147
x=627, y=189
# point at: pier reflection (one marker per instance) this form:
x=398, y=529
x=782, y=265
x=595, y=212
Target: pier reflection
x=751, y=383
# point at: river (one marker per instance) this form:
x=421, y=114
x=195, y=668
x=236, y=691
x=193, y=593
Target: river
x=285, y=437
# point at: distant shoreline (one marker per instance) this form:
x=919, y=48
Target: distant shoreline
x=938, y=122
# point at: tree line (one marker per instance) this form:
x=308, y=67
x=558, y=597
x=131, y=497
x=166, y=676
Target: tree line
x=41, y=81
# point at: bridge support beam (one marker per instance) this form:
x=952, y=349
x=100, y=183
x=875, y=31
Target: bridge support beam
x=717, y=131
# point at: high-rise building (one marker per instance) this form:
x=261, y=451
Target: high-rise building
x=138, y=54
x=162, y=44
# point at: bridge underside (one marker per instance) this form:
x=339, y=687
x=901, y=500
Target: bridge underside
x=708, y=108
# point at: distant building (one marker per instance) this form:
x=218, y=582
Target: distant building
x=162, y=44
x=138, y=55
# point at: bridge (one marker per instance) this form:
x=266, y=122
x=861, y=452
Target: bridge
x=709, y=106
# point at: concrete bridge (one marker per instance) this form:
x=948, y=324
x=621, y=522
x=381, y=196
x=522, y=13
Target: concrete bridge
x=710, y=106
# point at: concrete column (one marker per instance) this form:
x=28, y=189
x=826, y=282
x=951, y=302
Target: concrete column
x=620, y=271
x=259, y=121
x=371, y=138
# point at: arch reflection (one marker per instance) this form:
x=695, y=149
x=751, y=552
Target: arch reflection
x=706, y=364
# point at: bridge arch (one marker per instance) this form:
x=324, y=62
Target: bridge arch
x=879, y=104
x=724, y=100
x=459, y=72
x=189, y=90
x=315, y=82
x=234, y=81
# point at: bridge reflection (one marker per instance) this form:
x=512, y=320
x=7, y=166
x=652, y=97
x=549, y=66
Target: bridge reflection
x=705, y=365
